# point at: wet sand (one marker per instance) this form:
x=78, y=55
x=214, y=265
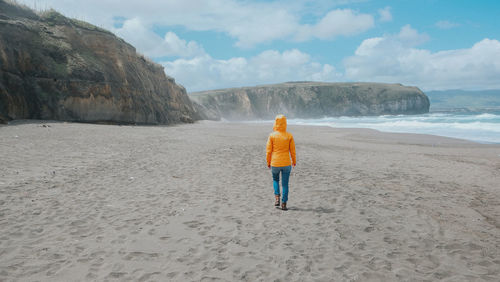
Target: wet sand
x=83, y=202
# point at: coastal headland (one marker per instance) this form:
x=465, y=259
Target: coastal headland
x=308, y=99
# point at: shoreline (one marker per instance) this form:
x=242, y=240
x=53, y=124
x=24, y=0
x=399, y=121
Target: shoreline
x=35, y=121
x=195, y=202
x=429, y=136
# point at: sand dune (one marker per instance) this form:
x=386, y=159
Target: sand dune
x=81, y=202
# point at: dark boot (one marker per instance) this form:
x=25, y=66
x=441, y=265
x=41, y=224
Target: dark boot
x=283, y=207
x=277, y=202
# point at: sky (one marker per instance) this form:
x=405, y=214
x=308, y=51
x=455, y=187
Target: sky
x=212, y=44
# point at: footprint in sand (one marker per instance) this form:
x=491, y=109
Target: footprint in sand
x=193, y=224
x=116, y=275
x=141, y=256
x=152, y=231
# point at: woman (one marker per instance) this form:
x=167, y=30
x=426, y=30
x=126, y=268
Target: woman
x=280, y=146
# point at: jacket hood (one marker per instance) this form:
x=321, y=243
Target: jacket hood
x=280, y=123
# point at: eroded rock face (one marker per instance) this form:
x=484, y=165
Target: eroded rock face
x=52, y=67
x=310, y=100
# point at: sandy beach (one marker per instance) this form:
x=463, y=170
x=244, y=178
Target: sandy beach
x=86, y=202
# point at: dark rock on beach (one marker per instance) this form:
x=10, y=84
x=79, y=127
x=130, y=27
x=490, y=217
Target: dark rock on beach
x=310, y=100
x=57, y=68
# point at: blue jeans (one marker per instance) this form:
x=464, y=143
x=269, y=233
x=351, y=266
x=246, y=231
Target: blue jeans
x=285, y=175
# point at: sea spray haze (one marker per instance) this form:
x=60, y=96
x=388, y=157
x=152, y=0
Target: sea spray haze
x=465, y=100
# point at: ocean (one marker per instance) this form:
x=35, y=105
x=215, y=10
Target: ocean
x=479, y=126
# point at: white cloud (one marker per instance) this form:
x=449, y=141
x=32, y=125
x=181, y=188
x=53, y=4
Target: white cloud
x=152, y=45
x=411, y=37
x=385, y=14
x=261, y=27
x=334, y=23
x=395, y=59
x=205, y=72
x=407, y=37
x=446, y=24
x=180, y=47
x=250, y=23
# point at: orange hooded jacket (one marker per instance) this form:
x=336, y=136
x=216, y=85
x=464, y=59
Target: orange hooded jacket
x=280, y=145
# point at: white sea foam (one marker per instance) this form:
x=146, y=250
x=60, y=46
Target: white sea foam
x=479, y=127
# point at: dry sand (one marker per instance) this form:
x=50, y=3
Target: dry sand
x=82, y=202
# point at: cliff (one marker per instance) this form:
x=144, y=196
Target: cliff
x=53, y=67
x=310, y=100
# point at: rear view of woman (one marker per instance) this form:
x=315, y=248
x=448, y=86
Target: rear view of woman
x=280, y=147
